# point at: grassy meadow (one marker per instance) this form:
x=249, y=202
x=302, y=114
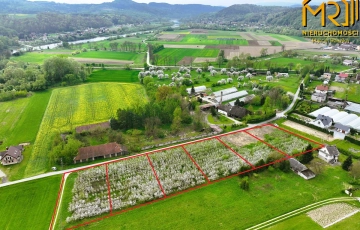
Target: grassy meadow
x=209, y=39
x=175, y=55
x=128, y=76
x=128, y=56
x=204, y=208
x=37, y=57
x=29, y=205
x=73, y=106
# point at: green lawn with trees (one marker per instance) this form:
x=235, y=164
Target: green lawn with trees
x=204, y=208
x=29, y=204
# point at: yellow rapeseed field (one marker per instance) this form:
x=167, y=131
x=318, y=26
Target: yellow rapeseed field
x=79, y=105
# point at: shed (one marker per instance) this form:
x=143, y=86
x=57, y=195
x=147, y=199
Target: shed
x=353, y=107
x=198, y=89
x=301, y=169
x=232, y=96
x=225, y=92
x=319, y=111
x=238, y=112
x=100, y=151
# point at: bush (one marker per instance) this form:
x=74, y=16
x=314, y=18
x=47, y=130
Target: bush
x=347, y=163
x=244, y=184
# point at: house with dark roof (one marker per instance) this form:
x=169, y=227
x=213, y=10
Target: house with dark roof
x=225, y=108
x=100, y=151
x=13, y=155
x=238, y=112
x=341, y=131
x=330, y=154
x=301, y=169
x=322, y=121
x=322, y=89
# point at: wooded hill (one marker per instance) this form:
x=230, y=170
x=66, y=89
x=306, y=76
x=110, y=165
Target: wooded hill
x=117, y=6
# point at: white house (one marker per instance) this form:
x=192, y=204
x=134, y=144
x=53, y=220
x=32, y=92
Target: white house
x=347, y=62
x=318, y=97
x=321, y=89
x=330, y=154
x=322, y=121
x=301, y=169
x=282, y=75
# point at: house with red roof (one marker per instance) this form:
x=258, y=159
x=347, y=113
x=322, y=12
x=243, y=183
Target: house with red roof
x=322, y=89
x=341, y=77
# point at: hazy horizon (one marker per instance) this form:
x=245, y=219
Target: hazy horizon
x=204, y=2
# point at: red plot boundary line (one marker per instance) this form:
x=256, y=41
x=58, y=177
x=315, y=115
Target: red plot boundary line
x=236, y=153
x=285, y=154
x=57, y=202
x=108, y=186
x=197, y=166
x=157, y=178
x=192, y=188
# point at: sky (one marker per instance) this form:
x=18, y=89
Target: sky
x=205, y=2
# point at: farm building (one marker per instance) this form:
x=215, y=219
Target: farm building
x=225, y=92
x=353, y=107
x=339, y=117
x=92, y=127
x=225, y=108
x=319, y=111
x=322, y=121
x=12, y=155
x=318, y=97
x=100, y=151
x=198, y=89
x=301, y=169
x=347, y=62
x=206, y=107
x=330, y=154
x=238, y=112
x=246, y=99
x=321, y=89
x=232, y=96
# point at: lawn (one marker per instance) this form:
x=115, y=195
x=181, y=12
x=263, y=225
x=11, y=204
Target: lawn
x=127, y=76
x=221, y=120
x=223, y=205
x=290, y=84
x=171, y=56
x=351, y=90
x=29, y=205
x=21, y=124
x=73, y=106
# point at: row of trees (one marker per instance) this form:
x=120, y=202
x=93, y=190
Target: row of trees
x=126, y=46
x=17, y=78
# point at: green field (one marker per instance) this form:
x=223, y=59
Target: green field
x=37, y=57
x=351, y=90
x=128, y=56
x=290, y=84
x=223, y=205
x=29, y=205
x=281, y=37
x=171, y=56
x=203, y=39
x=73, y=106
x=284, y=62
x=128, y=76
x=303, y=222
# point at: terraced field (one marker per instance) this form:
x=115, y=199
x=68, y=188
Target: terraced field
x=73, y=106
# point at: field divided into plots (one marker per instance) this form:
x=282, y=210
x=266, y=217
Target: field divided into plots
x=79, y=105
x=121, y=185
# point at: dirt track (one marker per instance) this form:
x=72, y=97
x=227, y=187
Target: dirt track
x=104, y=61
x=305, y=129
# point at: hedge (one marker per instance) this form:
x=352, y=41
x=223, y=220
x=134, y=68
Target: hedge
x=352, y=140
x=348, y=153
x=260, y=118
